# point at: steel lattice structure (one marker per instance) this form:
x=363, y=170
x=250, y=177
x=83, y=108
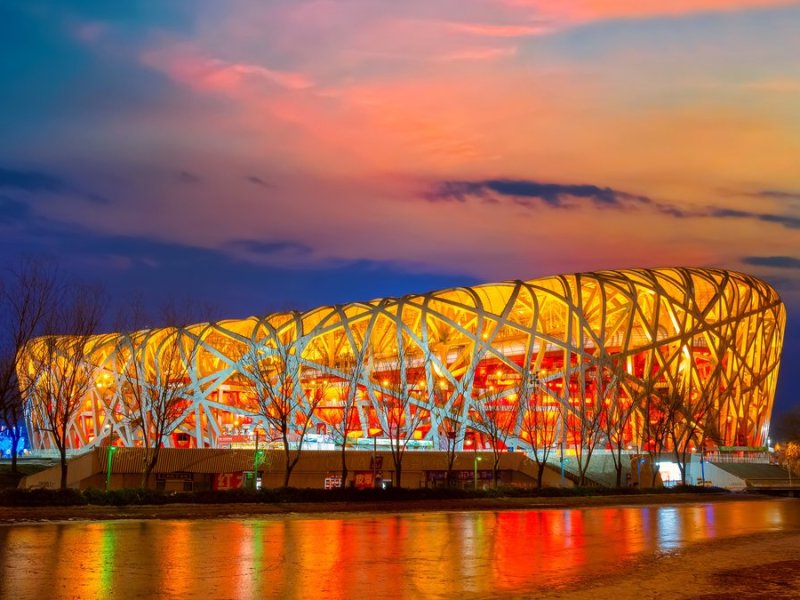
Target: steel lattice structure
x=465, y=346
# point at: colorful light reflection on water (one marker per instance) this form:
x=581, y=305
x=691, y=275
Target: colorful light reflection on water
x=431, y=555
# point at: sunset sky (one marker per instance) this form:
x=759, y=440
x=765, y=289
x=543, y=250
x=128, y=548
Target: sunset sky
x=256, y=155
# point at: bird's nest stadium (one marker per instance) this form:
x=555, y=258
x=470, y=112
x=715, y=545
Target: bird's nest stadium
x=449, y=360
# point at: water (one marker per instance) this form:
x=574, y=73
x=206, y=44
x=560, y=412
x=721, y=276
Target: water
x=367, y=555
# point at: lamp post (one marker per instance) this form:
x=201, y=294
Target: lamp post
x=255, y=463
x=374, y=458
x=639, y=462
x=703, y=466
x=475, y=469
x=111, y=450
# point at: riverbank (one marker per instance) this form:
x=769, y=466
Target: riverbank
x=15, y=514
x=763, y=565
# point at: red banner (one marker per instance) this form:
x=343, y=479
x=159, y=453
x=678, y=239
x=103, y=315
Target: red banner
x=228, y=481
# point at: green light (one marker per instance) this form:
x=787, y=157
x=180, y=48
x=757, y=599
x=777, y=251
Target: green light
x=111, y=450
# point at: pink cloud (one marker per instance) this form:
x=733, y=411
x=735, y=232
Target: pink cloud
x=187, y=65
x=347, y=106
x=284, y=79
x=478, y=54
x=490, y=30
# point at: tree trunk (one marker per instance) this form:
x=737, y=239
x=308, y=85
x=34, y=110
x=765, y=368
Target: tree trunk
x=398, y=469
x=287, y=473
x=618, y=466
x=344, y=461
x=682, y=468
x=655, y=469
x=146, y=476
x=583, y=467
x=450, y=480
x=540, y=475
x=64, y=467
x=15, y=437
x=149, y=465
x=290, y=465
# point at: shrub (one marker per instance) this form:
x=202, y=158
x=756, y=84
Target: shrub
x=41, y=497
x=133, y=497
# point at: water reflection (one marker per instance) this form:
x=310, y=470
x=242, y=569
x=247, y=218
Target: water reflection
x=434, y=555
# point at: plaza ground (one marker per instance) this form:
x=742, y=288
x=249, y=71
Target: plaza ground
x=748, y=565
x=760, y=566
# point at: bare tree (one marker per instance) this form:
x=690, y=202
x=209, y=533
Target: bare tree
x=61, y=371
x=698, y=391
x=589, y=416
x=27, y=295
x=619, y=403
x=659, y=414
x=451, y=430
x=352, y=369
x=540, y=420
x=154, y=368
x=274, y=373
x=692, y=409
x=397, y=408
x=495, y=416
x=789, y=457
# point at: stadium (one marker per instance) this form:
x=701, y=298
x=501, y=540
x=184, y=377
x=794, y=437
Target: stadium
x=615, y=355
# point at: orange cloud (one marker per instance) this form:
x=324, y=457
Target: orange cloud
x=777, y=86
x=592, y=10
x=490, y=30
x=362, y=114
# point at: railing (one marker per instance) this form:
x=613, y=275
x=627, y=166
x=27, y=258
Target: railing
x=774, y=483
x=762, y=458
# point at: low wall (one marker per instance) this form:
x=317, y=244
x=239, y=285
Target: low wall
x=419, y=469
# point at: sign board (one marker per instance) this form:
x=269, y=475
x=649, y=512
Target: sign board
x=333, y=482
x=364, y=479
x=174, y=476
x=234, y=441
x=459, y=475
x=228, y=481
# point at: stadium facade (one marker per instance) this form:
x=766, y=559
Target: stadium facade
x=539, y=359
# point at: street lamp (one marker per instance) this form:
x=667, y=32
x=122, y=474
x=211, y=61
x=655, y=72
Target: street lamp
x=639, y=462
x=256, y=463
x=374, y=459
x=703, y=465
x=111, y=450
x=256, y=459
x=475, y=469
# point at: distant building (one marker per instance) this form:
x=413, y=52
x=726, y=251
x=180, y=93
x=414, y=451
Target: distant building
x=483, y=366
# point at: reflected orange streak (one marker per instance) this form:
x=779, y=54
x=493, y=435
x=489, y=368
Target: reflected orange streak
x=430, y=555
